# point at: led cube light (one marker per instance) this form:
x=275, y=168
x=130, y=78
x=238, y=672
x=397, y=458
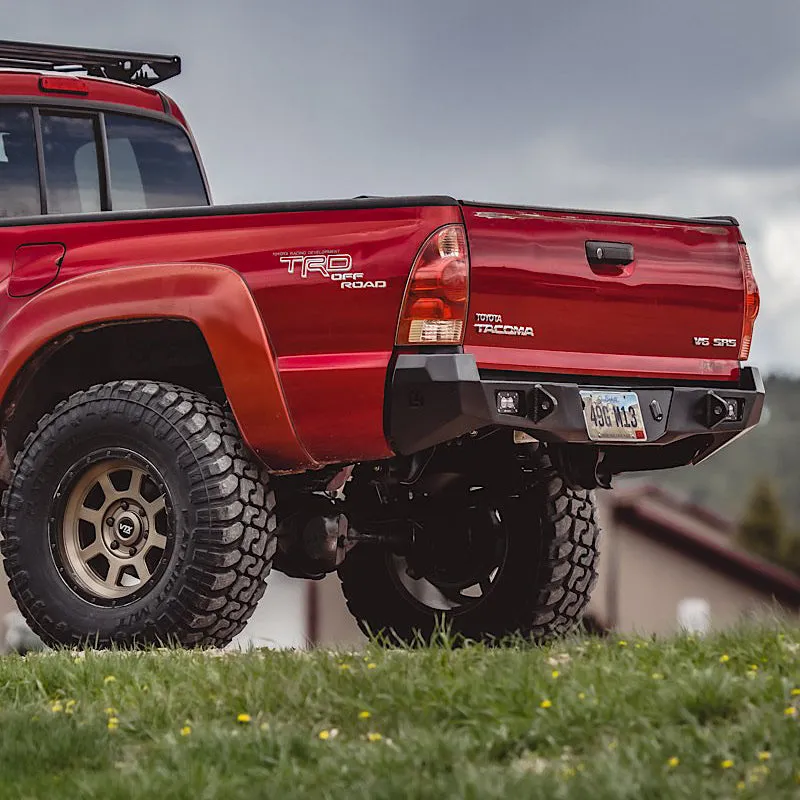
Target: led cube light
x=508, y=402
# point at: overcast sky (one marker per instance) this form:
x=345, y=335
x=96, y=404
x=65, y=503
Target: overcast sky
x=684, y=107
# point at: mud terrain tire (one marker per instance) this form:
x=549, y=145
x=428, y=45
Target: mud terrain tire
x=542, y=588
x=210, y=531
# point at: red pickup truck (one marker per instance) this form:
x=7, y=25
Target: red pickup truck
x=420, y=393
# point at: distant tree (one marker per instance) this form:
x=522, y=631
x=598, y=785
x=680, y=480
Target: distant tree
x=763, y=528
x=791, y=553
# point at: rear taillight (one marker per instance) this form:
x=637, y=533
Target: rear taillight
x=752, y=302
x=435, y=304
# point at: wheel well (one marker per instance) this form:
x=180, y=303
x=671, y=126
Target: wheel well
x=171, y=351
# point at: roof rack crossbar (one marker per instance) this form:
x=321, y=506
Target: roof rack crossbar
x=139, y=69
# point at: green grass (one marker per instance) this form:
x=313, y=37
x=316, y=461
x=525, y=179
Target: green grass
x=453, y=722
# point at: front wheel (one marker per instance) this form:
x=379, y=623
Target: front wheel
x=486, y=567
x=136, y=516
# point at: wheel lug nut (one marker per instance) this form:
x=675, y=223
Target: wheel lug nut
x=132, y=551
x=114, y=545
x=124, y=505
x=110, y=521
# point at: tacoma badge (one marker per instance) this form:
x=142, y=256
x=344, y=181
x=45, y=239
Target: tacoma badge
x=493, y=323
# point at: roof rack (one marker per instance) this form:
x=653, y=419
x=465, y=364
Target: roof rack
x=140, y=69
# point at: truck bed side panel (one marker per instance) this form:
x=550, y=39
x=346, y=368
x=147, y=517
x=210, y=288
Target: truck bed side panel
x=333, y=343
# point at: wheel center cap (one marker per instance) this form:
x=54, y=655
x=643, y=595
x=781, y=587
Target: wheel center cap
x=128, y=527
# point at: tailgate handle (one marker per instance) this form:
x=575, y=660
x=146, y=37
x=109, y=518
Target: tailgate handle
x=609, y=254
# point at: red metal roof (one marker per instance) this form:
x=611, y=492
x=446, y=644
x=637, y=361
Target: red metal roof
x=26, y=84
x=634, y=507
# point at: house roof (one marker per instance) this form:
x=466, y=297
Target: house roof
x=702, y=535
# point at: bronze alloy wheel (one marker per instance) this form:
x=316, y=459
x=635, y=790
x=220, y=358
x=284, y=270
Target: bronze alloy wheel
x=112, y=531
x=137, y=516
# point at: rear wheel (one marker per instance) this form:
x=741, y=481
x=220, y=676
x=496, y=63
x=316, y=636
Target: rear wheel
x=135, y=516
x=485, y=565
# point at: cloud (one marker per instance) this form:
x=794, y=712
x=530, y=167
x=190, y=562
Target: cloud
x=679, y=108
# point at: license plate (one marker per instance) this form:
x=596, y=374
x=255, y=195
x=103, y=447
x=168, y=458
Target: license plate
x=613, y=416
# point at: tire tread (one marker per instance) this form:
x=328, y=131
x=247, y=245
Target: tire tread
x=232, y=544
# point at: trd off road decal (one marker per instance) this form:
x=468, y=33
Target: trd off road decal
x=330, y=264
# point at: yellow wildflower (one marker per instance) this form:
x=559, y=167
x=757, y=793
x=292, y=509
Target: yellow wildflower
x=555, y=673
x=324, y=735
x=371, y=665
x=374, y=737
x=56, y=707
x=726, y=764
x=740, y=785
x=753, y=668
x=673, y=762
x=764, y=755
x=795, y=693
x=109, y=679
x=622, y=643
x=186, y=730
x=110, y=711
x=657, y=676
x=344, y=667
x=581, y=695
x=790, y=712
x=545, y=704
x=243, y=719
x=364, y=715
x=113, y=723
x=69, y=706
x=724, y=658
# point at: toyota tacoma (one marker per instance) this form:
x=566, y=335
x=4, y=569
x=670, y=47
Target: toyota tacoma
x=419, y=393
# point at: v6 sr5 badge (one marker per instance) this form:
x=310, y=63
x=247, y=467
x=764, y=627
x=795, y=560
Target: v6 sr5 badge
x=334, y=265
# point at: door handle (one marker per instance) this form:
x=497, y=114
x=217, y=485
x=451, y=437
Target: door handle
x=609, y=256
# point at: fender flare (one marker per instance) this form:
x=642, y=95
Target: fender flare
x=213, y=297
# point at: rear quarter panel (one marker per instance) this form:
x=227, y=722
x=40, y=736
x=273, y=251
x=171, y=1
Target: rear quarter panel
x=332, y=345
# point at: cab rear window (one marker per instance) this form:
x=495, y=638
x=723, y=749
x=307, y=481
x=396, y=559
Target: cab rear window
x=152, y=165
x=19, y=173
x=71, y=163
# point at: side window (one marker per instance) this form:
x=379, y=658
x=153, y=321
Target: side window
x=152, y=165
x=71, y=170
x=19, y=173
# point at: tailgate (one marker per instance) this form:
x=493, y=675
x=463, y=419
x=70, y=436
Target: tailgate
x=586, y=293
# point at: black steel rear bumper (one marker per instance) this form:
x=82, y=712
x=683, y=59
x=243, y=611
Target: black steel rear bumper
x=438, y=397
